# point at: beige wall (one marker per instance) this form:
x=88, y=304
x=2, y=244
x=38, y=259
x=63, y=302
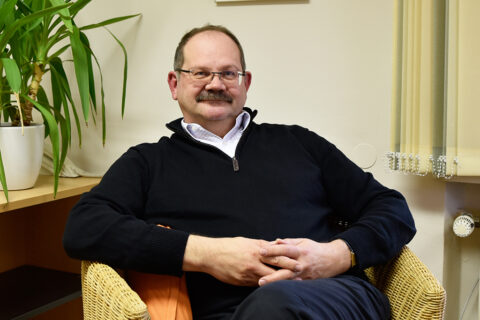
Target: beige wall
x=322, y=64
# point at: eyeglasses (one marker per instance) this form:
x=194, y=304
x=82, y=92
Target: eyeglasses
x=229, y=76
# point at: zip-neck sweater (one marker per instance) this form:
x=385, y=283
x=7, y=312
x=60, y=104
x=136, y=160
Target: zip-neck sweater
x=283, y=182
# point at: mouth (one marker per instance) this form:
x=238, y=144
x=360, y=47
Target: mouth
x=214, y=96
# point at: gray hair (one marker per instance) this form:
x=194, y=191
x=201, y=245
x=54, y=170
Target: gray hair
x=179, y=57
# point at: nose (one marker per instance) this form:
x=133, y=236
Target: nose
x=216, y=83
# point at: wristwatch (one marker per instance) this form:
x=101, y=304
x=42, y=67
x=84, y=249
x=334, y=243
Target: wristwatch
x=352, y=255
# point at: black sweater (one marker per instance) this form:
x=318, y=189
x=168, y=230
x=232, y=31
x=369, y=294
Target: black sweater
x=284, y=181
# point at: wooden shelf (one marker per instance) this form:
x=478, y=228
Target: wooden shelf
x=27, y=291
x=31, y=251
x=43, y=192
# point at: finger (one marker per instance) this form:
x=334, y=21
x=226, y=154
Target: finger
x=246, y=276
x=291, y=241
x=281, y=274
x=283, y=262
x=263, y=270
x=280, y=250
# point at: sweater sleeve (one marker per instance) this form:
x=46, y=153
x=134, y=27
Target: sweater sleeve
x=380, y=222
x=106, y=224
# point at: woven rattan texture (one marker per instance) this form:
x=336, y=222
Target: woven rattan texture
x=106, y=295
x=413, y=291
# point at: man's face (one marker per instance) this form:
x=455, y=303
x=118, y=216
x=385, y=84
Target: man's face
x=210, y=51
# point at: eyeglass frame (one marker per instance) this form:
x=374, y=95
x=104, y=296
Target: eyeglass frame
x=212, y=74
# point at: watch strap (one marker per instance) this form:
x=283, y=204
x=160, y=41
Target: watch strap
x=353, y=258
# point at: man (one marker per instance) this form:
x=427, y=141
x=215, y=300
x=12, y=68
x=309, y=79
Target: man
x=254, y=209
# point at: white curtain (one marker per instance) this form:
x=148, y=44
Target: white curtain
x=436, y=91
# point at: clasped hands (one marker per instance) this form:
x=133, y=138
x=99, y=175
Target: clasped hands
x=250, y=262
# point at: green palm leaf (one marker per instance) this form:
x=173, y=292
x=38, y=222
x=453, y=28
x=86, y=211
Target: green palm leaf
x=62, y=92
x=81, y=72
x=107, y=22
x=64, y=13
x=3, y=179
x=77, y=6
x=6, y=9
x=9, y=31
x=104, y=122
x=125, y=71
x=12, y=73
x=91, y=79
x=54, y=138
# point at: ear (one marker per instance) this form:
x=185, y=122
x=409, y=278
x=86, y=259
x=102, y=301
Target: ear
x=173, y=83
x=247, y=80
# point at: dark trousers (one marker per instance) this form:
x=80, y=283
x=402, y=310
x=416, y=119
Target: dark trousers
x=343, y=297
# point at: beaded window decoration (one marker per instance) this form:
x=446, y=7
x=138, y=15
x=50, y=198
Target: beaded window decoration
x=413, y=164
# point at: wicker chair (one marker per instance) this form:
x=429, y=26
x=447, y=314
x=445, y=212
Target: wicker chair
x=413, y=291
x=106, y=295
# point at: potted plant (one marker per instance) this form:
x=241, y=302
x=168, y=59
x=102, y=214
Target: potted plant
x=33, y=36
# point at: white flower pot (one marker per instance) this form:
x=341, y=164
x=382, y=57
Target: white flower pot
x=21, y=154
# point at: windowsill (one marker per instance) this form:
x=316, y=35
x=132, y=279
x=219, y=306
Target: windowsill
x=469, y=179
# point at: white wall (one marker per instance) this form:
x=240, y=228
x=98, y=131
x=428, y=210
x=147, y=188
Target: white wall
x=323, y=64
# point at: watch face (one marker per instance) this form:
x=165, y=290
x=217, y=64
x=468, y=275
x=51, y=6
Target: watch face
x=463, y=226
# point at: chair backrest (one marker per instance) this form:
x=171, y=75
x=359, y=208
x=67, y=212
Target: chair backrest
x=106, y=295
x=412, y=289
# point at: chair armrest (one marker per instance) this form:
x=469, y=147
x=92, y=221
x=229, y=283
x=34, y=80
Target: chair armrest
x=106, y=295
x=413, y=291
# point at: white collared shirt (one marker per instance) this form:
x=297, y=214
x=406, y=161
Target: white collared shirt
x=228, y=143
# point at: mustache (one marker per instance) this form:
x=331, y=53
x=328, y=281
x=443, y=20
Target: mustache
x=213, y=95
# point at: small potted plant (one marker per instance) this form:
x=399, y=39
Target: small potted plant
x=33, y=36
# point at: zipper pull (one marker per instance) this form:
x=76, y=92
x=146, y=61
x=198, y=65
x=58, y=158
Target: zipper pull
x=236, y=167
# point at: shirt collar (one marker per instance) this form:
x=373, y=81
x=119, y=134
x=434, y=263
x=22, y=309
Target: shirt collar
x=198, y=132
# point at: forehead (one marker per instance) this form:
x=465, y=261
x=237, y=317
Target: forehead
x=211, y=49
